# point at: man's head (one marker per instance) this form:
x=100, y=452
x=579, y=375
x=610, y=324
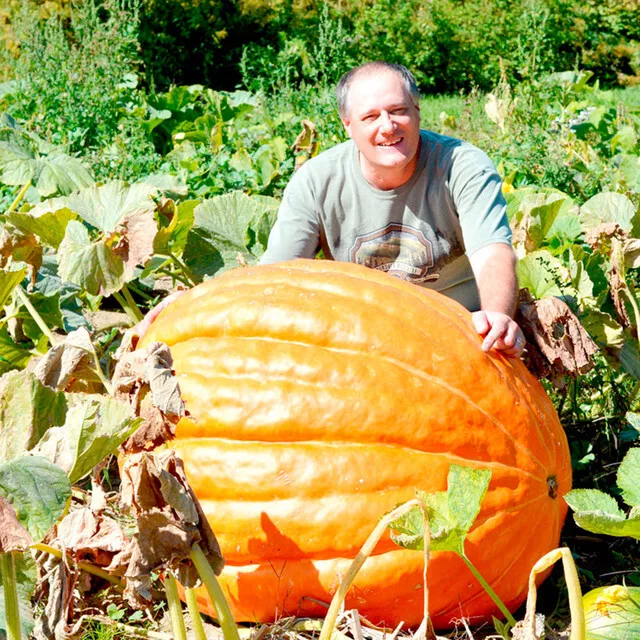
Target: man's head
x=379, y=107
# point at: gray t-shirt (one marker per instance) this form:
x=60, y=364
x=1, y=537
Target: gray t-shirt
x=422, y=232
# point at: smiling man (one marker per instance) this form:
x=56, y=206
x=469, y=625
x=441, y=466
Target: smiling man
x=421, y=206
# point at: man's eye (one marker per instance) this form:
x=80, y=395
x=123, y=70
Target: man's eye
x=400, y=111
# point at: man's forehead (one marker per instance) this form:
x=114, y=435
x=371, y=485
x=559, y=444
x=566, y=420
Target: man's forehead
x=370, y=86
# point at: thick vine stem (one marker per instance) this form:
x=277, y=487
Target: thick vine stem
x=208, y=577
x=194, y=614
x=42, y=325
x=369, y=545
x=11, y=606
x=175, y=607
x=573, y=588
x=133, y=316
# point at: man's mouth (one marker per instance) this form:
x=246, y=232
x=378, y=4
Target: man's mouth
x=390, y=143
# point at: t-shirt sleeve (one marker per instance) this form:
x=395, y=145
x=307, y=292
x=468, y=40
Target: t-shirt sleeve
x=296, y=233
x=476, y=188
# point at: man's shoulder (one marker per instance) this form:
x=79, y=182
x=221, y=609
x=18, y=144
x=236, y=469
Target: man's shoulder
x=455, y=150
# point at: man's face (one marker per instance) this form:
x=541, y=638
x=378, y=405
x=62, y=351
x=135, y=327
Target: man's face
x=384, y=123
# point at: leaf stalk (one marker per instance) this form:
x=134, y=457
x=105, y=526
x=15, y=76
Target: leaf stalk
x=18, y=199
x=33, y=312
x=11, y=606
x=220, y=604
x=194, y=614
x=175, y=607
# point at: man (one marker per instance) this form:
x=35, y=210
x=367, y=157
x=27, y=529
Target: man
x=419, y=205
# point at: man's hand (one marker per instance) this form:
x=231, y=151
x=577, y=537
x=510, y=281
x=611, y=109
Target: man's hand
x=500, y=333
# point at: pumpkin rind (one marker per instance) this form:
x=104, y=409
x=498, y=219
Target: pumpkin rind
x=323, y=394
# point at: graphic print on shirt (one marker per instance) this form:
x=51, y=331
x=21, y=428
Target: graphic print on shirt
x=398, y=249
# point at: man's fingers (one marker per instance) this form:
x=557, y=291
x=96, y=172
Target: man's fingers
x=480, y=322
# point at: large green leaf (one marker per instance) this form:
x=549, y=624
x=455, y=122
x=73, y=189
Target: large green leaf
x=598, y=512
x=38, y=490
x=27, y=410
x=94, y=428
x=451, y=513
x=48, y=220
x=91, y=265
x=612, y=613
x=629, y=477
x=542, y=274
x=223, y=228
x=25, y=158
x=607, y=207
x=105, y=206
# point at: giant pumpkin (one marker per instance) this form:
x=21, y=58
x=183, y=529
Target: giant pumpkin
x=323, y=394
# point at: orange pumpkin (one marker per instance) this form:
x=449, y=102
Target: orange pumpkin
x=323, y=394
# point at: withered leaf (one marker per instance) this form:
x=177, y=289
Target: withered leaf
x=145, y=380
x=137, y=232
x=170, y=521
x=92, y=537
x=557, y=344
x=13, y=536
x=16, y=246
x=72, y=358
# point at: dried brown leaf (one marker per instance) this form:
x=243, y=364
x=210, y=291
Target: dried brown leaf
x=557, y=344
x=170, y=521
x=91, y=537
x=144, y=379
x=600, y=237
x=137, y=231
x=67, y=361
x=20, y=247
x=56, y=588
x=13, y=536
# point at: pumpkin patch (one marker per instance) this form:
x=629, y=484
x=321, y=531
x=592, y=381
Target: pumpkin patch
x=323, y=394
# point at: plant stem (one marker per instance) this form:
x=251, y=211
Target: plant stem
x=18, y=199
x=365, y=551
x=175, y=608
x=125, y=305
x=492, y=594
x=85, y=566
x=35, y=315
x=131, y=302
x=11, y=606
x=188, y=274
x=194, y=613
x=106, y=383
x=220, y=604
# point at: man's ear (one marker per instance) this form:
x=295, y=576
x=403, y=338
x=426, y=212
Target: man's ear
x=347, y=126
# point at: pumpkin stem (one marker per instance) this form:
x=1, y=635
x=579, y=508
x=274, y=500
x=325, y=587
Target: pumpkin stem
x=175, y=608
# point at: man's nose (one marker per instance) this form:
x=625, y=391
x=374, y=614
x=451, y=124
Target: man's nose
x=386, y=123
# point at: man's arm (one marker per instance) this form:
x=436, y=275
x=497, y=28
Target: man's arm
x=494, y=269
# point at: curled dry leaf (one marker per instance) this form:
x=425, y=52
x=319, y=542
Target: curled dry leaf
x=137, y=232
x=13, y=536
x=557, y=344
x=67, y=361
x=170, y=521
x=144, y=379
x=90, y=537
x=17, y=246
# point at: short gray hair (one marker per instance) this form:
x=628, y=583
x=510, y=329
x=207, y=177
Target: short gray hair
x=344, y=84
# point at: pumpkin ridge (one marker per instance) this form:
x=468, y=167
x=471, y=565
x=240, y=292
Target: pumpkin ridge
x=427, y=377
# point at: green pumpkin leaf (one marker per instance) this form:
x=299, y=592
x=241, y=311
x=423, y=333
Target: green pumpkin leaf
x=91, y=265
x=10, y=278
x=95, y=426
x=598, y=512
x=607, y=207
x=12, y=355
x=105, y=206
x=451, y=513
x=542, y=274
x=629, y=477
x=27, y=410
x=222, y=229
x=47, y=220
x=49, y=309
x=38, y=490
x=25, y=158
